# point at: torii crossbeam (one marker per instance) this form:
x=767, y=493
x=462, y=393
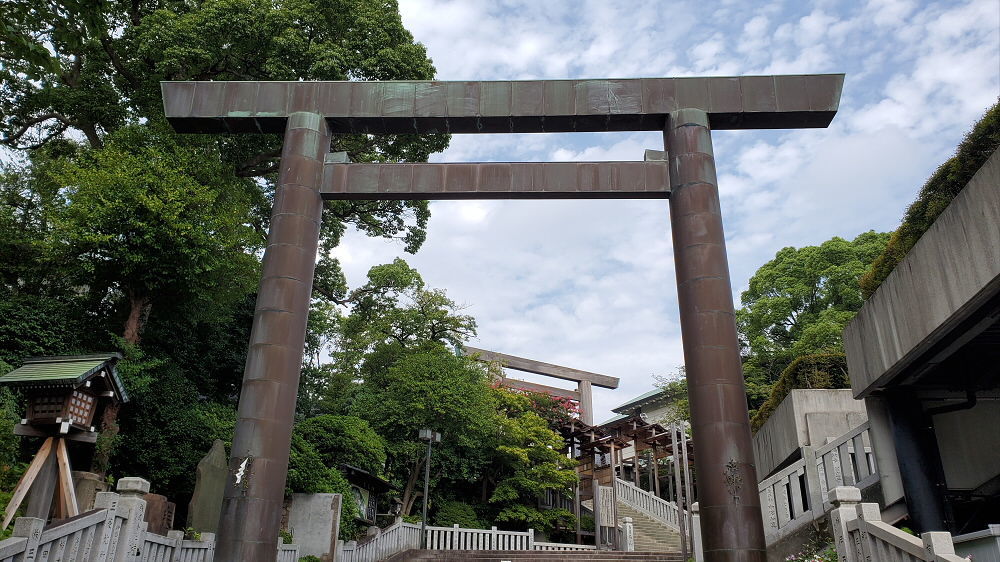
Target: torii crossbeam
x=685, y=109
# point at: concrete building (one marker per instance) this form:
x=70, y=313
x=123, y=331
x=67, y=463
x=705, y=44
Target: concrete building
x=924, y=355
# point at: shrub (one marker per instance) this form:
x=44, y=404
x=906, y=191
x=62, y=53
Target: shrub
x=821, y=370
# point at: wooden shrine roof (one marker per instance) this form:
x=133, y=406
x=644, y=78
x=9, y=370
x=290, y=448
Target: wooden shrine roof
x=66, y=372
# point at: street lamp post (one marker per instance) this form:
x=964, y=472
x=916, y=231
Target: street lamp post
x=431, y=437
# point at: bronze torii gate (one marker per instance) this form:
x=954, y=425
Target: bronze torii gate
x=685, y=109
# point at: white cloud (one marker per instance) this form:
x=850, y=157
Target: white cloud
x=590, y=284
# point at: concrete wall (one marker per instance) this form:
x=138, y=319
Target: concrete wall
x=956, y=261
x=314, y=521
x=805, y=417
x=969, y=441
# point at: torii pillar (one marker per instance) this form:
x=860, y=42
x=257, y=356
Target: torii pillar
x=685, y=109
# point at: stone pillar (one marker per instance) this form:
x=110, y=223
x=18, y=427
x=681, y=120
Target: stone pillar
x=884, y=449
x=733, y=528
x=845, y=500
x=919, y=462
x=586, y=402
x=251, y=510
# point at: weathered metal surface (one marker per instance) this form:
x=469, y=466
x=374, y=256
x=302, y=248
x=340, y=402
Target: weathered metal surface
x=534, y=180
x=727, y=480
x=637, y=104
x=540, y=368
x=251, y=510
x=518, y=384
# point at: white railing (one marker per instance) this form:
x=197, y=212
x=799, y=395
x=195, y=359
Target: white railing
x=860, y=535
x=456, y=538
x=114, y=530
x=649, y=504
x=395, y=538
x=286, y=553
x=797, y=495
x=400, y=536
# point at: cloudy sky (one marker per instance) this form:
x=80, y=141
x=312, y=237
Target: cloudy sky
x=590, y=284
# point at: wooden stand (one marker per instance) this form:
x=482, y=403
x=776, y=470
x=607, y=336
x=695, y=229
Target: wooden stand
x=57, y=482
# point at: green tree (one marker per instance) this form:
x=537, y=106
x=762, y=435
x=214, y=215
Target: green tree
x=798, y=304
x=675, y=390
x=345, y=440
x=428, y=387
x=528, y=461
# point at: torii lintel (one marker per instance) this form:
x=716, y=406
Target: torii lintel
x=526, y=106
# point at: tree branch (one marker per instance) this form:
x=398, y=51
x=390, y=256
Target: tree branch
x=11, y=140
x=249, y=168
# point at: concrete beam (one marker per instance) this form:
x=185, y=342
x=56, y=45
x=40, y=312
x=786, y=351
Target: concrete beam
x=540, y=368
x=545, y=389
x=531, y=106
x=500, y=180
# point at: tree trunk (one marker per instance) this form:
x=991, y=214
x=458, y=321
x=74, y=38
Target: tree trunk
x=106, y=440
x=139, y=307
x=409, y=495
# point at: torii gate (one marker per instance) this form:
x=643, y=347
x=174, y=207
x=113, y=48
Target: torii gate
x=585, y=380
x=685, y=109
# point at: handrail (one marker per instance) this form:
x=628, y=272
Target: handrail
x=860, y=534
x=797, y=494
x=649, y=504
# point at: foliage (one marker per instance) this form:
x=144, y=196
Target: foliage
x=824, y=370
x=935, y=195
x=159, y=440
x=113, y=227
x=310, y=558
x=345, y=440
x=674, y=388
x=285, y=536
x=798, y=304
x=308, y=474
x=529, y=462
x=451, y=512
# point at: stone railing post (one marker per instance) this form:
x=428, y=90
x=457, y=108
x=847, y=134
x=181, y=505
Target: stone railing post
x=814, y=488
x=210, y=539
x=845, y=500
x=938, y=543
x=178, y=538
x=699, y=552
x=132, y=506
x=31, y=529
x=629, y=541
x=108, y=501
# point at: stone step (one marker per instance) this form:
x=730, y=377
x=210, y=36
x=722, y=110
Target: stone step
x=548, y=556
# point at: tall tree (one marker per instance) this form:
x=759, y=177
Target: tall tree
x=81, y=71
x=798, y=304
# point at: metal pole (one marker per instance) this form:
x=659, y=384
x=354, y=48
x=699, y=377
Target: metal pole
x=427, y=488
x=252, y=505
x=730, y=507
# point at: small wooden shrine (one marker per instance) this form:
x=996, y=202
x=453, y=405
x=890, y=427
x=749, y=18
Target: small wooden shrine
x=64, y=397
x=365, y=489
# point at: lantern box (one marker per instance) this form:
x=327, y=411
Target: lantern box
x=67, y=391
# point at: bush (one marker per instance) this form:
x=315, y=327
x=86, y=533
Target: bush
x=450, y=512
x=947, y=182
x=822, y=370
x=344, y=440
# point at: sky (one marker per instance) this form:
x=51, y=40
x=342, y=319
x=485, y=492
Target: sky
x=590, y=284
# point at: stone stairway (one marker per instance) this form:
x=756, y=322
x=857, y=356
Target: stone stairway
x=526, y=555
x=650, y=534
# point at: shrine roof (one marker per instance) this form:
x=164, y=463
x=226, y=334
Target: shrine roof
x=67, y=371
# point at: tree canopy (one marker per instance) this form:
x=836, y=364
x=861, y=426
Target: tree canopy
x=798, y=304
